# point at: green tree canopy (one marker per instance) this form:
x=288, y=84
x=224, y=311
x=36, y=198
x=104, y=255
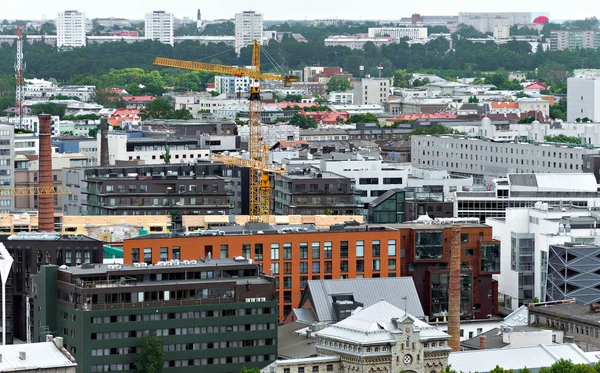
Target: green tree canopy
x=363, y=118
x=402, y=78
x=563, y=139
x=303, y=121
x=151, y=356
x=49, y=108
x=338, y=84
x=158, y=109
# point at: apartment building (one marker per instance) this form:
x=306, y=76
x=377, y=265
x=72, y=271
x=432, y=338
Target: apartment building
x=573, y=39
x=371, y=91
x=358, y=41
x=31, y=250
x=583, y=95
x=70, y=29
x=7, y=167
x=399, y=32
x=486, y=21
x=295, y=254
x=218, y=315
x=232, y=85
x=248, y=27
x=158, y=26
x=486, y=159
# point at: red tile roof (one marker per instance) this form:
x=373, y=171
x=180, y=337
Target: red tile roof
x=537, y=86
x=138, y=98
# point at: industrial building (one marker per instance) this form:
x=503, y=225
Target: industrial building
x=218, y=315
x=294, y=254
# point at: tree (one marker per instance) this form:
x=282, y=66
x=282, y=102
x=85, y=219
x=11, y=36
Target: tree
x=559, y=110
x=563, y=139
x=167, y=155
x=49, y=108
x=150, y=359
x=338, y=84
x=363, y=118
x=293, y=98
x=158, y=109
x=246, y=370
x=303, y=121
x=402, y=78
x=473, y=100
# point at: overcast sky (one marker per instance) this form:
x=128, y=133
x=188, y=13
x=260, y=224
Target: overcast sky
x=289, y=9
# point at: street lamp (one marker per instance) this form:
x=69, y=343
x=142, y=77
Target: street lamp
x=6, y=262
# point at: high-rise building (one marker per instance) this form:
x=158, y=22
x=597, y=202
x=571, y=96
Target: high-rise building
x=159, y=26
x=70, y=29
x=583, y=95
x=371, y=91
x=7, y=174
x=568, y=39
x=248, y=27
x=486, y=21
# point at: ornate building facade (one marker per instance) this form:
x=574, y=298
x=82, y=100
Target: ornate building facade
x=381, y=338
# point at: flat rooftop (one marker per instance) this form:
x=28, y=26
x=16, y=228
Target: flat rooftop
x=573, y=311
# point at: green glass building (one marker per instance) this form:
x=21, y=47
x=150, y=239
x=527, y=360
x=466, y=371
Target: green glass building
x=218, y=315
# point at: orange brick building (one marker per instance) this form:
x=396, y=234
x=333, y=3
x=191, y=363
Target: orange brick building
x=420, y=251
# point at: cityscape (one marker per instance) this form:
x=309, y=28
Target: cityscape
x=414, y=193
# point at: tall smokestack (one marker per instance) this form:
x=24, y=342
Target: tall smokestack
x=104, y=142
x=482, y=342
x=454, y=296
x=46, y=200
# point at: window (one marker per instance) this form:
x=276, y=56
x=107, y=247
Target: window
x=392, y=180
x=368, y=181
x=274, y=268
x=376, y=265
x=224, y=251
x=274, y=251
x=303, y=250
x=392, y=264
x=360, y=266
x=148, y=255
x=287, y=282
x=344, y=266
x=287, y=251
x=391, y=247
x=164, y=254
x=327, y=249
x=469, y=251
x=135, y=256
x=258, y=251
x=464, y=237
x=429, y=245
x=246, y=250
x=176, y=253
x=343, y=249
x=360, y=249
x=376, y=250
x=316, y=250
x=303, y=267
x=316, y=267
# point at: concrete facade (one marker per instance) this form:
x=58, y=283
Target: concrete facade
x=371, y=91
x=70, y=29
x=159, y=26
x=583, y=95
x=248, y=27
x=399, y=32
x=486, y=21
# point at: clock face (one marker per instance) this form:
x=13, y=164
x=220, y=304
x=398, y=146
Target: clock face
x=407, y=359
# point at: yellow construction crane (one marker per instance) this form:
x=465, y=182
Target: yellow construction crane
x=258, y=162
x=34, y=191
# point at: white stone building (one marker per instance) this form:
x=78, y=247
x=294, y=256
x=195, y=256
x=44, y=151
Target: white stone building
x=380, y=338
x=342, y=98
x=70, y=29
x=248, y=27
x=583, y=95
x=159, y=26
x=399, y=32
x=371, y=91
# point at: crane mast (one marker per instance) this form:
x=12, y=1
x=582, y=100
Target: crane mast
x=260, y=187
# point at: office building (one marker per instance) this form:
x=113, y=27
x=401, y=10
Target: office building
x=159, y=26
x=486, y=21
x=583, y=95
x=399, y=32
x=7, y=166
x=572, y=272
x=30, y=251
x=218, y=315
x=574, y=39
x=248, y=27
x=70, y=29
x=409, y=204
x=371, y=91
x=295, y=254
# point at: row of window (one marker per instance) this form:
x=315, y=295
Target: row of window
x=498, y=149
x=184, y=331
x=179, y=315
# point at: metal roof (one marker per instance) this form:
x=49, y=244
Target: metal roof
x=38, y=356
x=367, y=291
x=534, y=357
x=304, y=315
x=374, y=325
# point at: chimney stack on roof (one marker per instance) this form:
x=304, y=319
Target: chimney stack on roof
x=482, y=342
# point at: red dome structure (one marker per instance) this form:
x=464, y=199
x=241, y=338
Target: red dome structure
x=541, y=20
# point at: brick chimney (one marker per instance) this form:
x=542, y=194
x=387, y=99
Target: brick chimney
x=482, y=342
x=104, y=142
x=46, y=200
x=454, y=290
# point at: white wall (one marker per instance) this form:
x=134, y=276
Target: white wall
x=583, y=96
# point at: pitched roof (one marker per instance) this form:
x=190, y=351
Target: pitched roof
x=367, y=291
x=537, y=85
x=534, y=357
x=38, y=356
x=374, y=325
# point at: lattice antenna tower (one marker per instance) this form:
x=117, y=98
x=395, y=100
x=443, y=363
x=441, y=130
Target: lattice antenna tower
x=20, y=80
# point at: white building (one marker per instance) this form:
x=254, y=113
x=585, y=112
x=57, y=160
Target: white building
x=37, y=88
x=197, y=102
x=70, y=29
x=232, y=84
x=534, y=104
x=486, y=21
x=399, y=32
x=359, y=108
x=526, y=234
x=583, y=95
x=501, y=32
x=341, y=98
x=44, y=357
x=358, y=41
x=371, y=91
x=7, y=172
x=248, y=27
x=159, y=26
x=272, y=133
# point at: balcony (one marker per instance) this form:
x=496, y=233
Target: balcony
x=125, y=281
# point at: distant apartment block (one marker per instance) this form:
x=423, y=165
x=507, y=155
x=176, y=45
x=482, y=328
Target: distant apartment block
x=159, y=26
x=232, y=84
x=583, y=95
x=70, y=29
x=485, y=22
x=358, y=41
x=399, y=32
x=371, y=91
x=248, y=27
x=562, y=40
